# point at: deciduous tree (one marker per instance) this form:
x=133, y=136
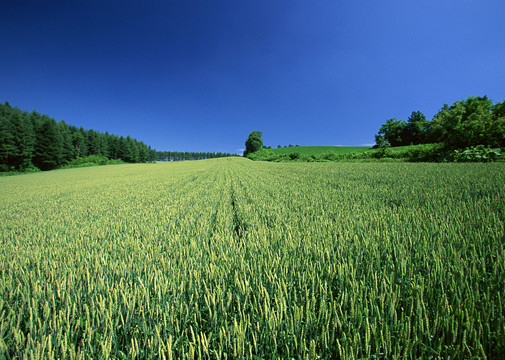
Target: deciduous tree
x=254, y=142
x=469, y=122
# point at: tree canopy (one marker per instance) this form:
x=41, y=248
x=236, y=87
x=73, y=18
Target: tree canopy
x=32, y=140
x=254, y=142
x=470, y=122
x=187, y=155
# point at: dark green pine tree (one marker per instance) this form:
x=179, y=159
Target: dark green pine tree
x=104, y=148
x=152, y=154
x=133, y=153
x=96, y=143
x=24, y=139
x=122, y=148
x=68, y=150
x=112, y=146
x=49, y=146
x=7, y=143
x=79, y=143
x=143, y=152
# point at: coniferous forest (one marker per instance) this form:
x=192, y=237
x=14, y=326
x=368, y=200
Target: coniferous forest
x=189, y=155
x=30, y=141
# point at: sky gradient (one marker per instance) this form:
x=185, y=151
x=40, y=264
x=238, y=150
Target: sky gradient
x=201, y=75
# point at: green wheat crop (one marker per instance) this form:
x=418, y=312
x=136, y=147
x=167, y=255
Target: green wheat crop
x=230, y=258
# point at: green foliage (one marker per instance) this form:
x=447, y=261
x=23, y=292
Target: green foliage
x=253, y=143
x=381, y=152
x=92, y=160
x=294, y=155
x=49, y=145
x=478, y=153
x=417, y=129
x=17, y=139
x=181, y=156
x=318, y=150
x=29, y=169
x=470, y=122
x=422, y=152
x=29, y=140
x=381, y=141
x=79, y=143
x=392, y=133
x=412, y=153
x=209, y=260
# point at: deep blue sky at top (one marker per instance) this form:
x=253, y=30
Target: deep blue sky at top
x=201, y=75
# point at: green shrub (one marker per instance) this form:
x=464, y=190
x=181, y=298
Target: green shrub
x=91, y=160
x=479, y=153
x=425, y=152
x=417, y=153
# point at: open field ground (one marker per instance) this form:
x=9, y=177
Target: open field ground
x=230, y=258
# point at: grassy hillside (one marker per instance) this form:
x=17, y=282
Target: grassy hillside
x=318, y=150
x=230, y=258
x=414, y=153
x=308, y=153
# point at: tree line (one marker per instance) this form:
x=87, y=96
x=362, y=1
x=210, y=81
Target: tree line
x=32, y=141
x=181, y=156
x=469, y=122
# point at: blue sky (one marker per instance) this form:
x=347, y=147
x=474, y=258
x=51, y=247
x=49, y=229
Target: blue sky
x=201, y=75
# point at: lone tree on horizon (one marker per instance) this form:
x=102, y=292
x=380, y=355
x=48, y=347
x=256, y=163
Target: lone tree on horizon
x=254, y=142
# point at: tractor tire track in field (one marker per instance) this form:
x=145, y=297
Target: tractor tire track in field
x=236, y=221
x=236, y=188
x=238, y=224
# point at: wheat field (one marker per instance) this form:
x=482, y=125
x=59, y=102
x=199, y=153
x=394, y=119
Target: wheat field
x=230, y=258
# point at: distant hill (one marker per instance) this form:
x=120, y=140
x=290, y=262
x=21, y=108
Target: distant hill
x=421, y=152
x=318, y=150
x=311, y=153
